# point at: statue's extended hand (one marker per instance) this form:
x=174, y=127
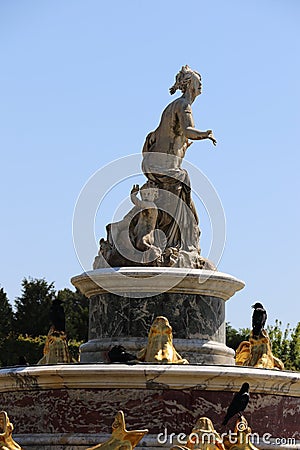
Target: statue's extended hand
x=210, y=136
x=135, y=189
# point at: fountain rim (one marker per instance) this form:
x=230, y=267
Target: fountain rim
x=149, y=376
x=156, y=280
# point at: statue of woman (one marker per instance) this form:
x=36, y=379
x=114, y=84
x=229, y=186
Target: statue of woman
x=163, y=231
x=163, y=152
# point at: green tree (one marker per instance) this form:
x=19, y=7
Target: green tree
x=6, y=316
x=279, y=339
x=294, y=354
x=32, y=308
x=286, y=344
x=76, y=307
x=12, y=347
x=235, y=337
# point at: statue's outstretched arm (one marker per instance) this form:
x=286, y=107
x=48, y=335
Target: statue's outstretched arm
x=133, y=196
x=186, y=120
x=194, y=134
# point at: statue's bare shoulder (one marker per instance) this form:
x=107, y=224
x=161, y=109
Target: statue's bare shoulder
x=179, y=115
x=180, y=106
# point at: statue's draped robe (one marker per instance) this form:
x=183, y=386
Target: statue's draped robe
x=177, y=214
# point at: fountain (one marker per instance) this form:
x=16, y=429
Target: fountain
x=149, y=266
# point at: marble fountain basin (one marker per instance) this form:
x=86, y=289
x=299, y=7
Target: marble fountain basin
x=73, y=406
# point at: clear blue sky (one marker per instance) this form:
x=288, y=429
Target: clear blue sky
x=83, y=82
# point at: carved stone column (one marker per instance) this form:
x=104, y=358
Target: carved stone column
x=124, y=302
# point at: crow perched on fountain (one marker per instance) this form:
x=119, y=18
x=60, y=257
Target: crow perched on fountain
x=238, y=404
x=57, y=315
x=56, y=346
x=259, y=318
x=119, y=354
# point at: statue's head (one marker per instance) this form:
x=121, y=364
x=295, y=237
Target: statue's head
x=6, y=427
x=119, y=422
x=149, y=191
x=203, y=424
x=160, y=326
x=185, y=78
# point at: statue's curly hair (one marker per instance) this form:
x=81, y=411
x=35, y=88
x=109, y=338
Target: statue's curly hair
x=149, y=185
x=183, y=79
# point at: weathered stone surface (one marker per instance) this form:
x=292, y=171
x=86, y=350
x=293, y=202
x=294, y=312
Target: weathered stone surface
x=65, y=407
x=191, y=316
x=89, y=411
x=198, y=351
x=124, y=303
x=144, y=282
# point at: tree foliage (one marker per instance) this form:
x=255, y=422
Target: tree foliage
x=13, y=347
x=76, y=307
x=235, y=337
x=23, y=333
x=294, y=350
x=286, y=344
x=33, y=307
x=6, y=316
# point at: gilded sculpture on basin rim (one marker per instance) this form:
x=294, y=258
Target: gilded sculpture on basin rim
x=121, y=438
x=6, y=429
x=160, y=346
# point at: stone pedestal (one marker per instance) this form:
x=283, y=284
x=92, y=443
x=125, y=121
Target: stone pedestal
x=125, y=301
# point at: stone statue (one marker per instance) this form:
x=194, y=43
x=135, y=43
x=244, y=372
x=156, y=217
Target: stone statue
x=6, y=429
x=163, y=152
x=257, y=352
x=240, y=439
x=143, y=217
x=162, y=229
x=56, y=346
x=121, y=439
x=160, y=348
x=132, y=239
x=203, y=437
x=144, y=229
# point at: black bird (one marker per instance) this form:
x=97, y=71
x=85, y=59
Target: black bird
x=23, y=361
x=259, y=318
x=57, y=315
x=119, y=354
x=238, y=404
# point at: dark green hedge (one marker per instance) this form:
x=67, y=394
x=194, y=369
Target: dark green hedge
x=13, y=347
